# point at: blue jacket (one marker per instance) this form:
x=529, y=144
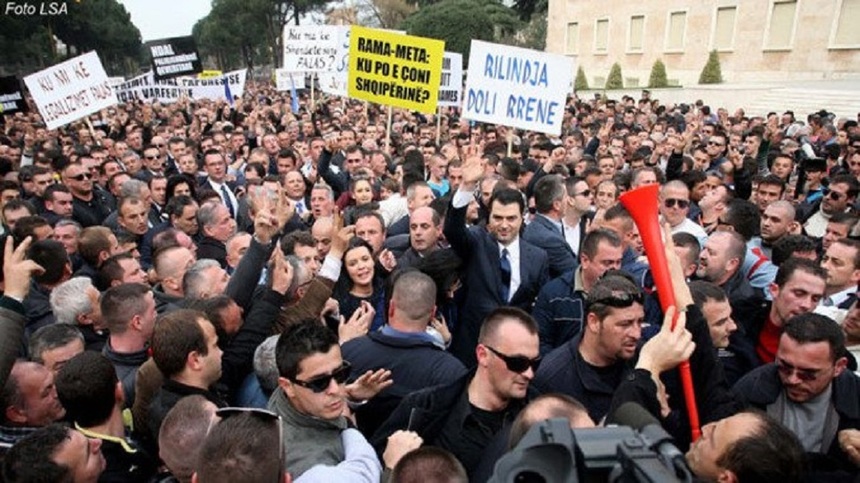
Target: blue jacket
x=559, y=311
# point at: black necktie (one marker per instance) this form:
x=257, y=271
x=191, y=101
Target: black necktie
x=505, y=266
x=227, y=200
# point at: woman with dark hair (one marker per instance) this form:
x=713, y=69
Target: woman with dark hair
x=181, y=184
x=360, y=287
x=443, y=266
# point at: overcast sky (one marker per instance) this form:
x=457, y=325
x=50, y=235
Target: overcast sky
x=158, y=19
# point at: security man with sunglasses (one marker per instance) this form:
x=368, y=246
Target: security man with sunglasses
x=809, y=391
x=474, y=412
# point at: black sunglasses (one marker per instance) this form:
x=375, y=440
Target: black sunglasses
x=518, y=364
x=321, y=383
x=151, y=157
x=268, y=416
x=787, y=370
x=81, y=177
x=583, y=193
x=619, y=300
x=671, y=202
x=833, y=195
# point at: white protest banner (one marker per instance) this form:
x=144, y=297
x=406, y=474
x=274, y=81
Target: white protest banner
x=334, y=81
x=310, y=48
x=71, y=90
x=286, y=80
x=451, y=87
x=144, y=87
x=517, y=87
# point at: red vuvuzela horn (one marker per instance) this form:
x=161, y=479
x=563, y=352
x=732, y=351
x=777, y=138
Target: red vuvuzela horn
x=641, y=203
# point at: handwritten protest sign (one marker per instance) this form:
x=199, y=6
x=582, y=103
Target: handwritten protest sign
x=311, y=48
x=517, y=87
x=146, y=88
x=451, y=87
x=174, y=57
x=286, y=80
x=395, y=69
x=71, y=90
x=334, y=81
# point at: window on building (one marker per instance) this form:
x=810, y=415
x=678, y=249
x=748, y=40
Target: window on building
x=675, y=34
x=637, y=31
x=572, y=38
x=847, y=34
x=781, y=28
x=601, y=35
x=724, y=28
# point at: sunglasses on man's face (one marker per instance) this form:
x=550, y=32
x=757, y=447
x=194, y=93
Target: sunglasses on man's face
x=321, y=383
x=833, y=195
x=265, y=415
x=619, y=300
x=786, y=370
x=518, y=364
x=671, y=202
x=81, y=177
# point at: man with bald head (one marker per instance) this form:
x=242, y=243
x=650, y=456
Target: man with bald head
x=720, y=263
x=323, y=231
x=776, y=222
x=425, y=231
x=403, y=346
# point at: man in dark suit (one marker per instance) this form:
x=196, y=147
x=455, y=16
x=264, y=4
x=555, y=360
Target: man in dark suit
x=843, y=273
x=500, y=268
x=216, y=180
x=546, y=231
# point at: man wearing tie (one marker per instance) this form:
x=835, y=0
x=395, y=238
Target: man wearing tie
x=499, y=267
x=216, y=179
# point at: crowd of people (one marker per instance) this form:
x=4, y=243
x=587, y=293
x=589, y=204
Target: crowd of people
x=218, y=292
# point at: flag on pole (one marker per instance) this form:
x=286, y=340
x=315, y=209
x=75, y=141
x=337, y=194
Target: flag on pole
x=294, y=97
x=227, y=92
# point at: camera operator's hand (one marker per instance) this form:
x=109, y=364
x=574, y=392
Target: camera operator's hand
x=669, y=347
x=849, y=441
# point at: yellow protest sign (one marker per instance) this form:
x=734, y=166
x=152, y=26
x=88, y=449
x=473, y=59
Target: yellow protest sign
x=395, y=69
x=210, y=74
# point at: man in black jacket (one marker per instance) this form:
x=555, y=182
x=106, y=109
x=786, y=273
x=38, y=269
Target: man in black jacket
x=464, y=417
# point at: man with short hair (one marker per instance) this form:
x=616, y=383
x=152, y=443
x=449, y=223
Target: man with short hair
x=742, y=217
x=809, y=390
x=90, y=391
x=839, y=226
x=182, y=434
x=466, y=416
x=842, y=263
x=170, y=265
x=842, y=193
x=675, y=205
x=133, y=216
x=54, y=345
x=720, y=263
x=128, y=312
x=51, y=256
x=89, y=207
x=311, y=399
x=425, y=233
x=55, y=453
x=58, y=204
x=76, y=302
x=120, y=269
x=217, y=227
x=559, y=309
x=546, y=231
x=777, y=220
x=204, y=279
x=185, y=349
x=403, y=347
x=96, y=245
x=28, y=401
x=797, y=289
x=577, y=213
x=236, y=247
x=216, y=180
x=418, y=194
x=370, y=227
x=770, y=189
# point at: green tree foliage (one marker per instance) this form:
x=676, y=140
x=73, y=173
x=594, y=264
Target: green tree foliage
x=658, y=75
x=712, y=74
x=581, y=82
x=386, y=14
x=615, y=80
x=101, y=25
x=457, y=22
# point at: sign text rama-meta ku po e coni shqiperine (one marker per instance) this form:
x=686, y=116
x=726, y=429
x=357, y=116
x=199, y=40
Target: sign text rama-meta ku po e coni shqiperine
x=517, y=87
x=395, y=69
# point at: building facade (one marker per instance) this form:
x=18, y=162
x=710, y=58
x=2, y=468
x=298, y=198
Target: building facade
x=757, y=40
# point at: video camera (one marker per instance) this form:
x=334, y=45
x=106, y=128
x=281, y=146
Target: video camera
x=552, y=452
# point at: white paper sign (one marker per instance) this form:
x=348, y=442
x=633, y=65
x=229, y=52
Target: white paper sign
x=517, y=87
x=334, y=81
x=451, y=87
x=310, y=48
x=71, y=90
x=286, y=80
x=144, y=87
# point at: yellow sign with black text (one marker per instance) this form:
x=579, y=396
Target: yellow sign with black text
x=395, y=69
